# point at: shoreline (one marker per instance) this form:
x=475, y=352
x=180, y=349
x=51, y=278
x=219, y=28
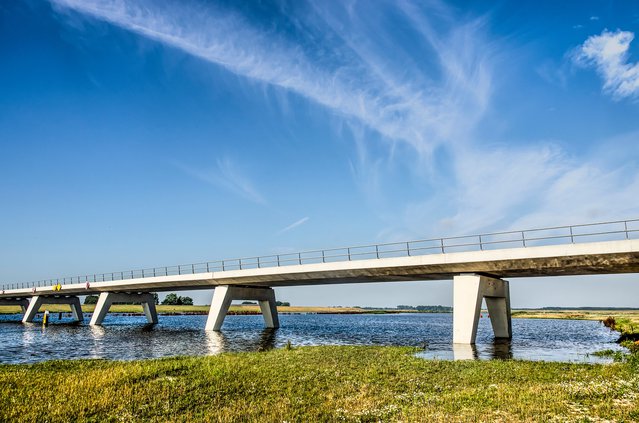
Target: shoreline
x=170, y=310
x=188, y=310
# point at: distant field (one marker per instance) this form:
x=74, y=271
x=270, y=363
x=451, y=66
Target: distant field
x=195, y=309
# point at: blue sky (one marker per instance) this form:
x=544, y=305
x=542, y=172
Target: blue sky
x=145, y=133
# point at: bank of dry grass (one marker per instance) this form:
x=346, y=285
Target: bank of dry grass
x=318, y=384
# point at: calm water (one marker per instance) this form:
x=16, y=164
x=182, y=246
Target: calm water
x=127, y=337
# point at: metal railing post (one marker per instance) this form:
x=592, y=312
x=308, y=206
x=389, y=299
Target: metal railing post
x=278, y=260
x=625, y=225
x=323, y=257
x=481, y=246
x=299, y=258
x=258, y=263
x=572, y=237
x=408, y=248
x=523, y=238
x=442, y=242
x=377, y=250
x=240, y=264
x=348, y=251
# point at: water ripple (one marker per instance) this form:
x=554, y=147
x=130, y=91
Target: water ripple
x=128, y=337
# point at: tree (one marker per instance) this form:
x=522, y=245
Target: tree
x=282, y=304
x=156, y=298
x=91, y=299
x=174, y=299
x=170, y=299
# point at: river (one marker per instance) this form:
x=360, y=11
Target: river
x=128, y=337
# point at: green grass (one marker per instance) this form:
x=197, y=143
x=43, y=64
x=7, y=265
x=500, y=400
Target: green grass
x=318, y=384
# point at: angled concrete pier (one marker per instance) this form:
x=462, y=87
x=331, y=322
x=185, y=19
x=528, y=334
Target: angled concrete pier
x=38, y=301
x=223, y=295
x=469, y=291
x=106, y=299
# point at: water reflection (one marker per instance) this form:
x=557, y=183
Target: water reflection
x=499, y=349
x=129, y=337
x=464, y=352
x=215, y=342
x=502, y=349
x=267, y=339
x=97, y=334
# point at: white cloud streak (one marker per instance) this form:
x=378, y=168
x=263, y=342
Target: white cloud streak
x=294, y=225
x=228, y=176
x=424, y=116
x=608, y=54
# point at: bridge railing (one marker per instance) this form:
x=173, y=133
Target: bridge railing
x=591, y=232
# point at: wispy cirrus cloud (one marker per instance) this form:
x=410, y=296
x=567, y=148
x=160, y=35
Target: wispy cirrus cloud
x=428, y=95
x=608, y=54
x=226, y=174
x=401, y=103
x=294, y=225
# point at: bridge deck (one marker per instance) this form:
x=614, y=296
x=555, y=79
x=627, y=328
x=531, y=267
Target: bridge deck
x=608, y=257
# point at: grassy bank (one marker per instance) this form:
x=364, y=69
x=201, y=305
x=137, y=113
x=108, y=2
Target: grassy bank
x=625, y=321
x=318, y=384
x=628, y=318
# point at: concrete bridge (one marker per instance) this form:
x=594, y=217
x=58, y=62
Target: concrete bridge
x=478, y=265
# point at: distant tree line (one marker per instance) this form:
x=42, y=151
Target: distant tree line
x=427, y=309
x=277, y=303
x=174, y=299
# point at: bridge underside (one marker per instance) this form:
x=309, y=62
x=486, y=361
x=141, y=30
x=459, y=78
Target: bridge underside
x=586, y=259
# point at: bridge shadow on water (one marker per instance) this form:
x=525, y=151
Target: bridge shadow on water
x=500, y=349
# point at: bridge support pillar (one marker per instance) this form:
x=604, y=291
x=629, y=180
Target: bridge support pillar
x=22, y=302
x=468, y=293
x=223, y=295
x=107, y=299
x=38, y=301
